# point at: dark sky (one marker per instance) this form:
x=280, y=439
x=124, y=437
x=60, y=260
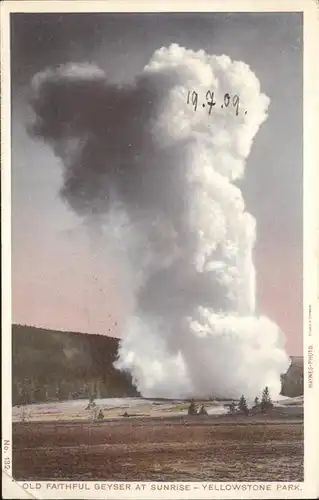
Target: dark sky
x=49, y=247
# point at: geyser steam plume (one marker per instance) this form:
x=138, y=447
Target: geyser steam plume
x=159, y=177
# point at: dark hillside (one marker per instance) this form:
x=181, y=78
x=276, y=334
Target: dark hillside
x=292, y=381
x=49, y=364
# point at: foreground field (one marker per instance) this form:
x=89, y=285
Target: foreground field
x=171, y=449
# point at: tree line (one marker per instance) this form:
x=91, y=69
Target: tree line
x=263, y=405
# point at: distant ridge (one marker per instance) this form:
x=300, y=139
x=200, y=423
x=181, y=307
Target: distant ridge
x=49, y=361
x=51, y=364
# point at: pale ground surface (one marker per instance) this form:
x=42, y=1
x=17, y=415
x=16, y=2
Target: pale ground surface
x=115, y=408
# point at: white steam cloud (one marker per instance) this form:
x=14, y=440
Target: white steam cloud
x=159, y=177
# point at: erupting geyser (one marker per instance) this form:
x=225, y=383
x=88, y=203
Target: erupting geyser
x=158, y=177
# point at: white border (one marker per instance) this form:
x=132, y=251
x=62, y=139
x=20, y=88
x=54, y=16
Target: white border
x=310, y=487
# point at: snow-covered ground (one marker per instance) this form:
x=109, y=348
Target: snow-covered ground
x=112, y=408
x=285, y=401
x=115, y=407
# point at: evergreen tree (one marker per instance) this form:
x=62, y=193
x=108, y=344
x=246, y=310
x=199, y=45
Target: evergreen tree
x=94, y=412
x=58, y=393
x=266, y=403
x=192, y=410
x=232, y=407
x=243, y=405
x=100, y=415
x=256, y=406
x=202, y=411
x=92, y=404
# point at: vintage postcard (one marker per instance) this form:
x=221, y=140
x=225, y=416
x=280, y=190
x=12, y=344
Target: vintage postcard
x=159, y=249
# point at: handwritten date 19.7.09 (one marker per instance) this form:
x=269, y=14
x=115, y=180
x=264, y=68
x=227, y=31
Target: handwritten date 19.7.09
x=232, y=101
